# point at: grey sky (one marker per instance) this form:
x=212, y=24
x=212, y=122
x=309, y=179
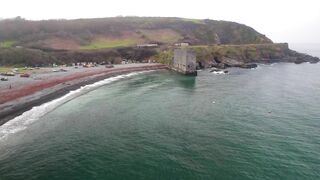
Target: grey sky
x=293, y=21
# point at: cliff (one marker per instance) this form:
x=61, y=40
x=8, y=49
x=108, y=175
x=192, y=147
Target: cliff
x=221, y=43
x=244, y=55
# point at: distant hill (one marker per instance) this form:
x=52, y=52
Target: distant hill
x=103, y=33
x=102, y=40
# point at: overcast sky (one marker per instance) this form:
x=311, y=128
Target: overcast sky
x=293, y=21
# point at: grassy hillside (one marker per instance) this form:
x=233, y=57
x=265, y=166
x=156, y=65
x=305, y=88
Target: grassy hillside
x=123, y=32
x=41, y=43
x=109, y=43
x=7, y=44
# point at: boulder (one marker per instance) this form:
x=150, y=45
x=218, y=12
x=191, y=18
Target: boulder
x=221, y=66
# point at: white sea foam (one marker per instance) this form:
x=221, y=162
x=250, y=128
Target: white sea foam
x=21, y=122
x=218, y=72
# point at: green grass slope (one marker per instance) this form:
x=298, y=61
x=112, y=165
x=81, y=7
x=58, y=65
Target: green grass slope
x=124, y=32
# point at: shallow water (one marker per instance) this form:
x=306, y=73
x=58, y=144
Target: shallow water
x=249, y=124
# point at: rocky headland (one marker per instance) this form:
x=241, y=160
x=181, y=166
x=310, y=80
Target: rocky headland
x=248, y=56
x=218, y=44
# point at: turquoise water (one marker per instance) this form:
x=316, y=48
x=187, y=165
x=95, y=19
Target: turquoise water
x=249, y=124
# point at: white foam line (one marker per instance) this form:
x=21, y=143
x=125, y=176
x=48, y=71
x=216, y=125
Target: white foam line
x=21, y=122
x=219, y=72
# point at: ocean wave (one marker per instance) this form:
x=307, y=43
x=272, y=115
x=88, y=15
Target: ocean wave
x=21, y=122
x=218, y=72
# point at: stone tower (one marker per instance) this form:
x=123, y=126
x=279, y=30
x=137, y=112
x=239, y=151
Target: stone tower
x=185, y=61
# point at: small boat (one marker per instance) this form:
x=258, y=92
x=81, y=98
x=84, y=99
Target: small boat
x=109, y=66
x=25, y=75
x=8, y=74
x=4, y=79
x=88, y=65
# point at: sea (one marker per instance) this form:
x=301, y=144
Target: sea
x=261, y=123
x=312, y=49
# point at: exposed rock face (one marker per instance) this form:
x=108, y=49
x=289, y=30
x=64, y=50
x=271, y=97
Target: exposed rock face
x=229, y=62
x=299, y=58
x=247, y=56
x=249, y=66
x=221, y=66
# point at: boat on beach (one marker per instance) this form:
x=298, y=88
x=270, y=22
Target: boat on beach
x=4, y=79
x=8, y=74
x=26, y=75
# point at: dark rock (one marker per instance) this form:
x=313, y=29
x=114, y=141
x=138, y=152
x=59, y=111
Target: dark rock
x=298, y=62
x=217, y=60
x=221, y=66
x=301, y=58
x=249, y=66
x=200, y=65
x=213, y=63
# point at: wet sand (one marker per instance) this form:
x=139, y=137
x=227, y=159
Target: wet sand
x=45, y=85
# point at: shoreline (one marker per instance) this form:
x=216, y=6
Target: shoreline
x=59, y=87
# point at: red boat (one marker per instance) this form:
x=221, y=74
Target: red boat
x=25, y=75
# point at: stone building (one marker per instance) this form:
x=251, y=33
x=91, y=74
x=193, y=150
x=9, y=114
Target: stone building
x=184, y=61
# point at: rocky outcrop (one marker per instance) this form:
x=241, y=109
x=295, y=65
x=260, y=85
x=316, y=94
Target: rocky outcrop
x=248, y=56
x=249, y=66
x=299, y=58
x=226, y=62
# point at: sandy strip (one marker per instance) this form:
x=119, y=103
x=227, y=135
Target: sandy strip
x=31, y=92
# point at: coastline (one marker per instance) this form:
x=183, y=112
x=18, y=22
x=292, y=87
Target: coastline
x=46, y=91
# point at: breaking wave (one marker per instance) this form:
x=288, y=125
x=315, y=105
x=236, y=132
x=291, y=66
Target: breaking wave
x=219, y=72
x=21, y=122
